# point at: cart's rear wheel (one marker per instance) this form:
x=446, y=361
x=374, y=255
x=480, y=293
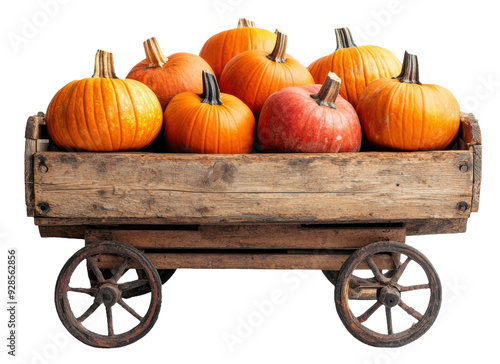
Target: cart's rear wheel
x=107, y=292
x=389, y=293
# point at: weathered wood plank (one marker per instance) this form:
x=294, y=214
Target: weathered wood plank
x=470, y=132
x=274, y=236
x=413, y=227
x=254, y=188
x=476, y=187
x=224, y=260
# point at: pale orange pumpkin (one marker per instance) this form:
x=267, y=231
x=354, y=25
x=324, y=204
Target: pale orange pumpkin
x=403, y=114
x=356, y=66
x=104, y=113
x=222, y=47
x=212, y=122
x=168, y=76
x=254, y=75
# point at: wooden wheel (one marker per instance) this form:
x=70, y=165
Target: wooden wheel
x=107, y=293
x=165, y=275
x=390, y=294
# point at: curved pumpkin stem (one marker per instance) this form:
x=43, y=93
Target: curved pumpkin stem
x=154, y=55
x=104, y=66
x=329, y=92
x=242, y=23
x=278, y=54
x=409, y=72
x=344, y=38
x=211, y=91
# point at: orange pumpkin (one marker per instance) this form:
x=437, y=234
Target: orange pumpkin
x=168, y=76
x=212, y=122
x=254, y=75
x=221, y=47
x=104, y=113
x=403, y=114
x=356, y=66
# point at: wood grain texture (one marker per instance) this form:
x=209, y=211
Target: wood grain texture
x=254, y=188
x=248, y=260
x=274, y=236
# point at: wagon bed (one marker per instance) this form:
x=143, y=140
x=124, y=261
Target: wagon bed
x=277, y=211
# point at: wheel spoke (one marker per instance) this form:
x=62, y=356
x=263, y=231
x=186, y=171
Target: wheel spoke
x=89, y=291
x=121, y=269
x=109, y=316
x=97, y=272
x=414, y=287
x=376, y=272
x=411, y=311
x=89, y=312
x=388, y=315
x=399, y=272
x=129, y=309
x=369, y=312
x=132, y=284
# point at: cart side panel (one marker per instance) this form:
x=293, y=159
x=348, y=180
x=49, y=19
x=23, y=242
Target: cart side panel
x=254, y=188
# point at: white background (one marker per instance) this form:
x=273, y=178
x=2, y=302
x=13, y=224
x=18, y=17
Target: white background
x=457, y=48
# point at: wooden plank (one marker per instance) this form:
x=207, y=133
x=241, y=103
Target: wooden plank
x=470, y=132
x=68, y=232
x=476, y=186
x=273, y=236
x=224, y=260
x=29, y=189
x=254, y=188
x=413, y=227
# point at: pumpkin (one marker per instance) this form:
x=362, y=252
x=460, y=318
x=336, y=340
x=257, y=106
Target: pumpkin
x=309, y=119
x=104, y=113
x=221, y=47
x=254, y=75
x=212, y=122
x=403, y=114
x=356, y=66
x=168, y=76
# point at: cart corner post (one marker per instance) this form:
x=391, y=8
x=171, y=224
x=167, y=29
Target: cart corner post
x=36, y=140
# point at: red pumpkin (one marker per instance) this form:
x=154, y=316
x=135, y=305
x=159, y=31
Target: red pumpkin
x=309, y=119
x=209, y=123
x=254, y=75
x=403, y=114
x=168, y=76
x=222, y=47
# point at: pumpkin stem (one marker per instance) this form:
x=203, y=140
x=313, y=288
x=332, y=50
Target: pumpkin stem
x=242, y=23
x=154, y=55
x=278, y=54
x=211, y=91
x=344, y=38
x=328, y=93
x=409, y=71
x=104, y=66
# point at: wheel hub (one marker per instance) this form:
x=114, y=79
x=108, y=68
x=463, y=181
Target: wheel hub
x=389, y=296
x=108, y=294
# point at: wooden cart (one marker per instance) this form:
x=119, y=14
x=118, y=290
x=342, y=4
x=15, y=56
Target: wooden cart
x=339, y=213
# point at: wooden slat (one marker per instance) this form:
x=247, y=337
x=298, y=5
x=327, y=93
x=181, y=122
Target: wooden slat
x=470, y=132
x=271, y=236
x=254, y=188
x=222, y=260
x=476, y=187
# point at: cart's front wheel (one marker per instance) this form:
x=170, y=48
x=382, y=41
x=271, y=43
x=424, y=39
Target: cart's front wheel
x=405, y=307
x=80, y=316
